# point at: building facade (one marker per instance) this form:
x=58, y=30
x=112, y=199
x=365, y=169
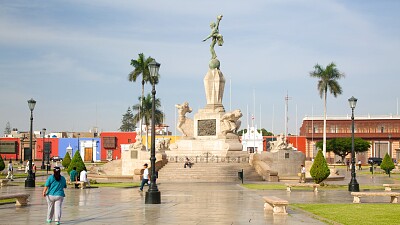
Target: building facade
x=383, y=132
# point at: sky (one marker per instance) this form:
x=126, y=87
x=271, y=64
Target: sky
x=73, y=57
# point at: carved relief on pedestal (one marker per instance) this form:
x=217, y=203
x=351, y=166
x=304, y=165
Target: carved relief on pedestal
x=206, y=127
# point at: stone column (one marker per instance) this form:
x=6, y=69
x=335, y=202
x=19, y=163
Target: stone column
x=214, y=83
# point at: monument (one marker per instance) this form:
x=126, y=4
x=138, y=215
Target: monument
x=212, y=129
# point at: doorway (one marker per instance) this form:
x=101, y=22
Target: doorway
x=88, y=154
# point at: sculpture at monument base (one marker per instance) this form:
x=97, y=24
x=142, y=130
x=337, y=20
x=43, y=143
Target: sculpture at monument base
x=162, y=143
x=182, y=110
x=138, y=143
x=280, y=144
x=231, y=122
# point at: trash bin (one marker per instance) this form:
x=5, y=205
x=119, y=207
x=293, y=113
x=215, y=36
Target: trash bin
x=370, y=169
x=240, y=175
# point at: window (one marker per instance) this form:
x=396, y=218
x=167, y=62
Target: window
x=110, y=142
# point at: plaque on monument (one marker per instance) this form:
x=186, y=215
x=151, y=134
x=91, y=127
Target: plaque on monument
x=134, y=154
x=206, y=127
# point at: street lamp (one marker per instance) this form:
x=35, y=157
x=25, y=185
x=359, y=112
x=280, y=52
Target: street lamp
x=48, y=154
x=43, y=150
x=92, y=151
x=353, y=185
x=30, y=181
x=153, y=195
x=79, y=134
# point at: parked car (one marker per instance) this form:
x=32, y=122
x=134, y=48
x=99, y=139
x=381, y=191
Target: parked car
x=56, y=159
x=375, y=160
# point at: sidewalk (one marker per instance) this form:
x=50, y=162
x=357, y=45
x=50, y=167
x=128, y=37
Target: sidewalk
x=195, y=203
x=182, y=203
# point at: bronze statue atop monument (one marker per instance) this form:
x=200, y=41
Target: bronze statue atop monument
x=216, y=37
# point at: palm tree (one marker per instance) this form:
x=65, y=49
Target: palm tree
x=146, y=109
x=327, y=81
x=141, y=68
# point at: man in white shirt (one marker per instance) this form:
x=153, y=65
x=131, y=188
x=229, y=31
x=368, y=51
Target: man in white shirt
x=146, y=177
x=83, y=176
x=303, y=174
x=10, y=174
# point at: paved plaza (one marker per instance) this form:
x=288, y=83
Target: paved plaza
x=182, y=203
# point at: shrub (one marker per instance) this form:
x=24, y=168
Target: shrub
x=66, y=161
x=76, y=162
x=2, y=165
x=387, y=164
x=319, y=170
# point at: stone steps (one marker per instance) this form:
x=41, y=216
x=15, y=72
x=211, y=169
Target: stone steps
x=206, y=172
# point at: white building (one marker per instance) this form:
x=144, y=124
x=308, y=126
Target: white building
x=252, y=140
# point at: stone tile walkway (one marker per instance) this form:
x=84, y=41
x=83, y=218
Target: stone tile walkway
x=182, y=203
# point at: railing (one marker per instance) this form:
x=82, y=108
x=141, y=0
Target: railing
x=208, y=158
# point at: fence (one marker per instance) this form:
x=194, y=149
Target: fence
x=208, y=158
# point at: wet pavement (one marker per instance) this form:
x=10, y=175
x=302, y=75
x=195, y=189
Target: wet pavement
x=182, y=203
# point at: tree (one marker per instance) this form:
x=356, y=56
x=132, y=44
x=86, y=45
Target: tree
x=263, y=131
x=67, y=160
x=319, y=170
x=146, y=110
x=7, y=130
x=387, y=164
x=127, y=121
x=342, y=146
x=141, y=68
x=76, y=162
x=327, y=81
x=2, y=165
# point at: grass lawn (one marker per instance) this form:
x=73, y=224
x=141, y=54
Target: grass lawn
x=350, y=214
x=7, y=201
x=325, y=187
x=117, y=185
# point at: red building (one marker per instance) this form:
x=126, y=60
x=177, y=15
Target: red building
x=382, y=132
x=111, y=143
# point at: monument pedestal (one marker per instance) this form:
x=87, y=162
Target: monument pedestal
x=209, y=133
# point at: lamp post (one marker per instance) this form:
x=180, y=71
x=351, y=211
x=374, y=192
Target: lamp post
x=390, y=145
x=43, y=150
x=30, y=181
x=153, y=195
x=353, y=185
x=92, y=151
x=79, y=134
x=48, y=154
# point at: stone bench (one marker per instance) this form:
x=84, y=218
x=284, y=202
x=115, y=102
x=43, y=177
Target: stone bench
x=21, y=198
x=81, y=184
x=388, y=187
x=357, y=195
x=275, y=204
x=314, y=186
x=3, y=182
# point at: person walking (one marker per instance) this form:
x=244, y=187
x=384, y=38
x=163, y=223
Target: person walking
x=54, y=193
x=146, y=177
x=359, y=165
x=34, y=170
x=348, y=165
x=302, y=174
x=10, y=174
x=27, y=167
